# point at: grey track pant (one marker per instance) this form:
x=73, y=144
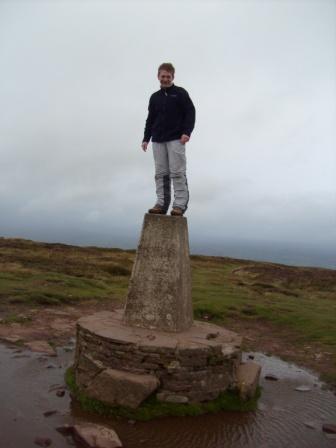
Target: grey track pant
x=170, y=165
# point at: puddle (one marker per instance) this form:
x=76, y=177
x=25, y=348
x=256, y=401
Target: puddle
x=29, y=383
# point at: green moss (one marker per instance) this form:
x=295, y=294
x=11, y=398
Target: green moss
x=15, y=319
x=152, y=408
x=329, y=378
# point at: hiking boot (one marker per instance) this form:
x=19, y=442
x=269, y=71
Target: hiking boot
x=177, y=211
x=157, y=210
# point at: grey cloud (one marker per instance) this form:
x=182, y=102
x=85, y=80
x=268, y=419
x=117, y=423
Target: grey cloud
x=75, y=83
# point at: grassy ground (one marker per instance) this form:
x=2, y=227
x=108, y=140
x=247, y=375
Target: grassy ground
x=294, y=306
x=52, y=274
x=302, y=299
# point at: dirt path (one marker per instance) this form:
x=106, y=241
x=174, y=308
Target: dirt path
x=20, y=324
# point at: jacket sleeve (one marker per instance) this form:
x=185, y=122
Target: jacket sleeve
x=189, y=114
x=149, y=122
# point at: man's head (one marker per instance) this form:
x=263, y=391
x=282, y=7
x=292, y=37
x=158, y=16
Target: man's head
x=166, y=73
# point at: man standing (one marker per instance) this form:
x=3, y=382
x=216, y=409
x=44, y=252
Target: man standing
x=170, y=122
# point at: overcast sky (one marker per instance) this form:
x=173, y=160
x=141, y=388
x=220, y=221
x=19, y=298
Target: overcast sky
x=75, y=79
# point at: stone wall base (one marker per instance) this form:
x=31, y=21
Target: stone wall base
x=122, y=365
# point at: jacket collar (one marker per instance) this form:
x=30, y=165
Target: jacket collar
x=168, y=89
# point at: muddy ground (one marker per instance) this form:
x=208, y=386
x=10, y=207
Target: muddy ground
x=56, y=325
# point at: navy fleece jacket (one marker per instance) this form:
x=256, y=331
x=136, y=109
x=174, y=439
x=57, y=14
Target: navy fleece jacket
x=171, y=113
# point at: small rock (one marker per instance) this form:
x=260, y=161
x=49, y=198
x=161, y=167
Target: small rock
x=60, y=393
x=173, y=366
x=49, y=413
x=250, y=356
x=56, y=387
x=151, y=337
x=96, y=436
x=271, y=377
x=312, y=425
x=212, y=335
x=329, y=428
x=303, y=388
x=171, y=398
x=13, y=339
x=249, y=338
x=41, y=347
x=51, y=366
x=65, y=430
x=68, y=349
x=42, y=441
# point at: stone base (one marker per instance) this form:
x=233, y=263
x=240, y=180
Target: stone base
x=123, y=365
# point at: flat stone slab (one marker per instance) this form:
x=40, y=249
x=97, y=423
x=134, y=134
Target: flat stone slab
x=41, y=347
x=116, y=387
x=109, y=325
x=248, y=375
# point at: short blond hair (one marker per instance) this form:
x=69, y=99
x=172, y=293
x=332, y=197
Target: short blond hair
x=168, y=67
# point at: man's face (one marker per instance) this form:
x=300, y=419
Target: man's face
x=165, y=78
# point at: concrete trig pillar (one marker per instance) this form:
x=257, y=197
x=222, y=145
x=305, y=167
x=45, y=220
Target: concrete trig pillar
x=159, y=294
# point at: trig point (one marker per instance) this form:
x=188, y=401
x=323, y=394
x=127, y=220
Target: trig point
x=153, y=347
x=159, y=295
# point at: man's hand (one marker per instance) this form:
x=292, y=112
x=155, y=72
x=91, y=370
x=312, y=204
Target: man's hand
x=144, y=146
x=184, y=138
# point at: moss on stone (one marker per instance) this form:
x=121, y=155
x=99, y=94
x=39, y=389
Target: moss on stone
x=152, y=408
